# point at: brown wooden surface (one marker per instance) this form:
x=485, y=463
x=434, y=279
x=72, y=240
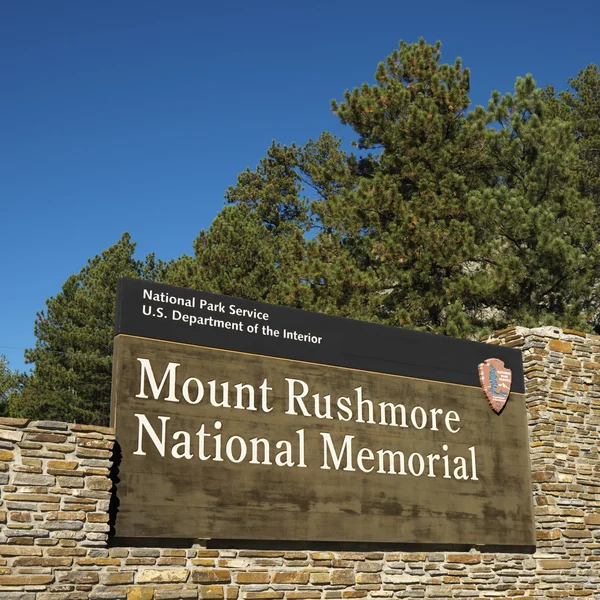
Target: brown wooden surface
x=168, y=497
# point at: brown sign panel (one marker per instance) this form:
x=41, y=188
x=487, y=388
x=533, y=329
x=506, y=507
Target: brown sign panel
x=223, y=444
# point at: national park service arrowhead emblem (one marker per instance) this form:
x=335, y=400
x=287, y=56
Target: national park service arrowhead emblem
x=495, y=380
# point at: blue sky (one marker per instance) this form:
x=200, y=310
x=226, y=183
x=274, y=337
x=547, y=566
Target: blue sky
x=137, y=115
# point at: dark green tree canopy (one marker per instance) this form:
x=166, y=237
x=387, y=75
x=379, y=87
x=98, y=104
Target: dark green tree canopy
x=445, y=218
x=73, y=351
x=11, y=382
x=582, y=102
x=550, y=246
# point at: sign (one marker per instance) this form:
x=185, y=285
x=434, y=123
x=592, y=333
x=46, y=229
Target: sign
x=241, y=420
x=495, y=381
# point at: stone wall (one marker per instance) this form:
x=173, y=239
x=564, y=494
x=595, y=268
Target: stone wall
x=56, y=493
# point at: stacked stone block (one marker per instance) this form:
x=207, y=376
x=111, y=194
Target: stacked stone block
x=55, y=494
x=562, y=375
x=55, y=499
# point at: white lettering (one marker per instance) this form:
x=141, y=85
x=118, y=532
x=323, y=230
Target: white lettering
x=364, y=454
x=413, y=417
x=393, y=413
x=264, y=398
x=473, y=464
x=143, y=423
x=360, y=402
x=452, y=416
x=391, y=456
x=186, y=393
x=328, y=447
x=170, y=373
x=185, y=445
x=229, y=449
x=284, y=458
x=294, y=397
x=254, y=443
x=240, y=387
x=411, y=466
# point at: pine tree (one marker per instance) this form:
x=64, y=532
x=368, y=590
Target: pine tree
x=409, y=224
x=73, y=351
x=583, y=104
x=11, y=382
x=445, y=219
x=449, y=221
x=240, y=256
x=545, y=258
x=259, y=246
x=580, y=106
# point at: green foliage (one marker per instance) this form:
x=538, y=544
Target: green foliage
x=239, y=256
x=409, y=228
x=11, y=382
x=445, y=219
x=580, y=106
x=448, y=221
x=546, y=256
x=582, y=102
x=73, y=351
x=258, y=247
